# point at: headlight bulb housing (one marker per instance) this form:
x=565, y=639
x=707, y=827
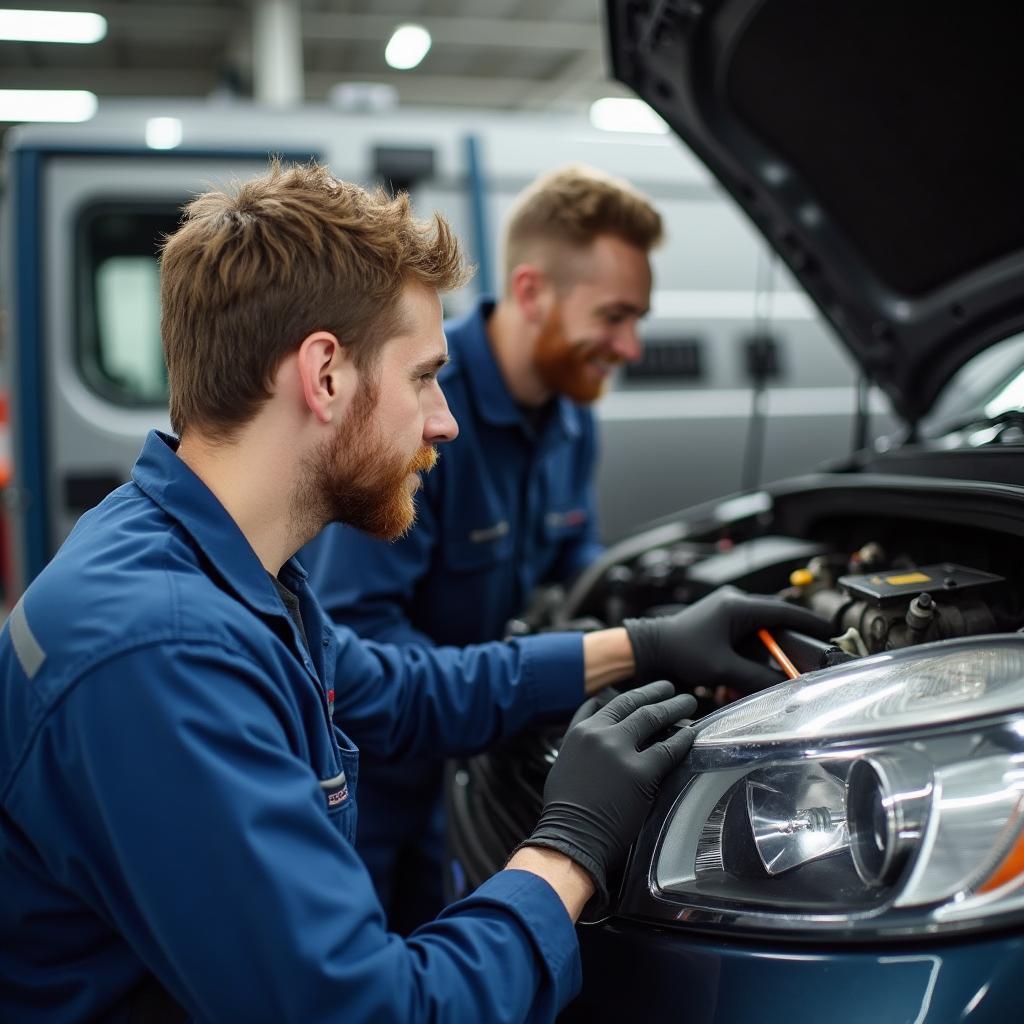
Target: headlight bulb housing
x=885, y=807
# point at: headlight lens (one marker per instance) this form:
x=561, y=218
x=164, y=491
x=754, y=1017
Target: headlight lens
x=885, y=796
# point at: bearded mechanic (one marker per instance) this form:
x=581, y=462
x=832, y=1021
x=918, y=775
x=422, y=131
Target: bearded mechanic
x=512, y=504
x=179, y=719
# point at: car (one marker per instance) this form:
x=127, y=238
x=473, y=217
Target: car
x=847, y=845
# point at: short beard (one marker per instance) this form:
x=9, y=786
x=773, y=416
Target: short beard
x=358, y=478
x=561, y=365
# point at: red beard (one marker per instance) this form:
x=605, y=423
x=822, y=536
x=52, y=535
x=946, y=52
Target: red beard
x=564, y=366
x=358, y=478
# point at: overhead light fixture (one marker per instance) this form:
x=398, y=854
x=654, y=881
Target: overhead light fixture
x=163, y=132
x=47, y=105
x=407, y=46
x=621, y=114
x=52, y=26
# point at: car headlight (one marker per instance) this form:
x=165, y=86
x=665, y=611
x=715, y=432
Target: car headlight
x=885, y=796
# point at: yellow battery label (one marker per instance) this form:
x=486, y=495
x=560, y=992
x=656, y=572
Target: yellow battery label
x=910, y=577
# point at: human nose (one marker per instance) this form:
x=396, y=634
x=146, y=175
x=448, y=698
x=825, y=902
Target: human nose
x=626, y=343
x=439, y=427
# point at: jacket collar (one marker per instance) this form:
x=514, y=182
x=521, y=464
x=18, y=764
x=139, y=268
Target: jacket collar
x=493, y=400
x=164, y=478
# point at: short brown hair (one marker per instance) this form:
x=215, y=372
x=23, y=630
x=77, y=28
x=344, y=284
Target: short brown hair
x=570, y=208
x=253, y=271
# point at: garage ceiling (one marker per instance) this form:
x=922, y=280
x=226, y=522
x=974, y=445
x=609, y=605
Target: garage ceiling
x=503, y=54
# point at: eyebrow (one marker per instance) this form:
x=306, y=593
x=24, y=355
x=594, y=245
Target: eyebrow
x=624, y=307
x=434, y=364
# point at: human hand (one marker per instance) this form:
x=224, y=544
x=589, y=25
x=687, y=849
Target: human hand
x=606, y=775
x=697, y=646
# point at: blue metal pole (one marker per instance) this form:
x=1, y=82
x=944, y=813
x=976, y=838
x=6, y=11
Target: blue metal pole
x=30, y=400
x=478, y=211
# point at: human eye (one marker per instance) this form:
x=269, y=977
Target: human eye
x=614, y=317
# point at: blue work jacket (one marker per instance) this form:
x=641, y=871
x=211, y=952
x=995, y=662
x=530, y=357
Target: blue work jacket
x=504, y=511
x=176, y=801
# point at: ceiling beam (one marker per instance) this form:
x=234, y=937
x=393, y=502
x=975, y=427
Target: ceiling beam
x=582, y=79
x=461, y=31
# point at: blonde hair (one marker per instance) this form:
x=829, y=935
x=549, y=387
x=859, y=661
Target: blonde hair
x=254, y=271
x=568, y=209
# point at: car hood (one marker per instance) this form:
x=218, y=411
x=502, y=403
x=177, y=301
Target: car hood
x=876, y=147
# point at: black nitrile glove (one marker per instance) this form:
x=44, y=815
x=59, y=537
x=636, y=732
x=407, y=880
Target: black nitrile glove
x=605, y=777
x=697, y=646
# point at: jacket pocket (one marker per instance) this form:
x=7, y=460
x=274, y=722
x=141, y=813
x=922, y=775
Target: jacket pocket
x=339, y=795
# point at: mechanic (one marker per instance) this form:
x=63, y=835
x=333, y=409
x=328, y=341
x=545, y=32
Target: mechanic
x=177, y=797
x=511, y=506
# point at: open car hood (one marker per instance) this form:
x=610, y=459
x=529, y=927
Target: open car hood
x=876, y=145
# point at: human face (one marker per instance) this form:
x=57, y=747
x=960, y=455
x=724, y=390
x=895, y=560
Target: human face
x=367, y=473
x=592, y=326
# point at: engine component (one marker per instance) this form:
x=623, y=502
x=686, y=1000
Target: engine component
x=809, y=654
x=886, y=588
x=753, y=565
x=908, y=606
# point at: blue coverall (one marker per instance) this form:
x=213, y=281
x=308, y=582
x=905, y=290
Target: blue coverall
x=177, y=809
x=506, y=509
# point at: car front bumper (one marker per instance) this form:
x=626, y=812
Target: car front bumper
x=644, y=973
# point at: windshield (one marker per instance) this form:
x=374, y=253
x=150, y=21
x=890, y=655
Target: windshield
x=984, y=388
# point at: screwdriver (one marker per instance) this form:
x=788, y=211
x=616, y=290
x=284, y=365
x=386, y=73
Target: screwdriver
x=777, y=653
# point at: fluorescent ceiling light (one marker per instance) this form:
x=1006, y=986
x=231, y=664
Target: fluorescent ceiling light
x=46, y=105
x=52, y=26
x=407, y=46
x=620, y=114
x=163, y=132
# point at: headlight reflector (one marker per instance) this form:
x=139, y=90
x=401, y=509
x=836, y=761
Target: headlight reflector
x=796, y=817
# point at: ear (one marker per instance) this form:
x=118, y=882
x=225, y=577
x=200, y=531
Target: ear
x=532, y=292
x=326, y=375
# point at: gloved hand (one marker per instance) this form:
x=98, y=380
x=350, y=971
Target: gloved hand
x=697, y=646
x=605, y=777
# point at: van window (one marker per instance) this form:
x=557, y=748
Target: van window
x=119, y=352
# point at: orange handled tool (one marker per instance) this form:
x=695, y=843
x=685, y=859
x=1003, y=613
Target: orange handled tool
x=777, y=653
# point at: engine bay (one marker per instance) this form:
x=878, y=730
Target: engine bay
x=876, y=600
x=884, y=582
x=891, y=564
